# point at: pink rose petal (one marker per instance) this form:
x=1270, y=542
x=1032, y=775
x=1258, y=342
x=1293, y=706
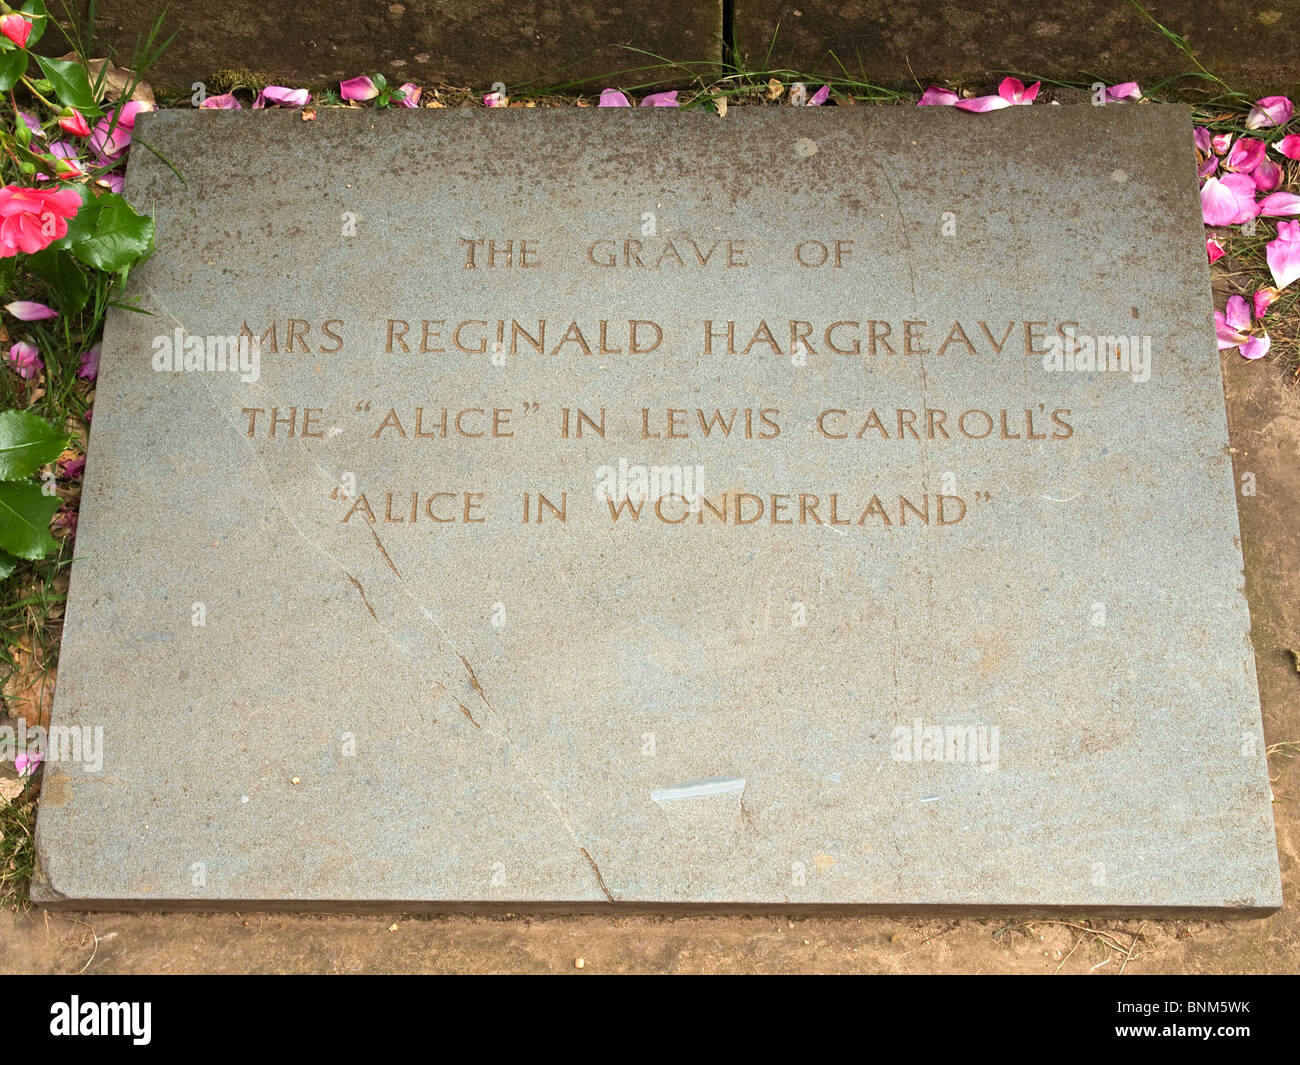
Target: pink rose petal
x=1224, y=334
x=1277, y=204
x=1270, y=111
x=980, y=104
x=109, y=140
x=126, y=117
x=1262, y=300
x=28, y=311
x=32, y=123
x=1245, y=155
x=1014, y=92
x=613, y=98
x=1283, y=255
x=661, y=99
x=89, y=368
x=1237, y=314
x=26, y=764
x=1289, y=146
x=1255, y=347
x=1267, y=176
x=225, y=102
x=359, y=89
x=934, y=96
x=26, y=359
x=282, y=96
x=1229, y=200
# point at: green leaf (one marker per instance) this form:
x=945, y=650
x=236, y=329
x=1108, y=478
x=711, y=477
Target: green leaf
x=25, y=513
x=13, y=65
x=119, y=237
x=60, y=271
x=37, y=8
x=82, y=224
x=27, y=443
x=7, y=565
x=71, y=84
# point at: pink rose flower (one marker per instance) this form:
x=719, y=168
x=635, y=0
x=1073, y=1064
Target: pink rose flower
x=32, y=219
x=74, y=122
x=16, y=28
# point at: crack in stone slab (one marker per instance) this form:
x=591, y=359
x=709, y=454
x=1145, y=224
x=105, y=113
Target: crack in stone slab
x=444, y=639
x=596, y=869
x=473, y=682
x=902, y=218
x=380, y=544
x=362, y=592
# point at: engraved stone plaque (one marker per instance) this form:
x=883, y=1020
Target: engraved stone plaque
x=645, y=508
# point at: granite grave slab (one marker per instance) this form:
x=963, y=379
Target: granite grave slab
x=583, y=509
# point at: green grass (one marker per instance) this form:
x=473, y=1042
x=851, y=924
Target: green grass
x=17, y=851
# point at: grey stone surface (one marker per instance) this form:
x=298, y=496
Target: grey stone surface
x=575, y=712
x=1251, y=46
x=455, y=42
x=478, y=42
